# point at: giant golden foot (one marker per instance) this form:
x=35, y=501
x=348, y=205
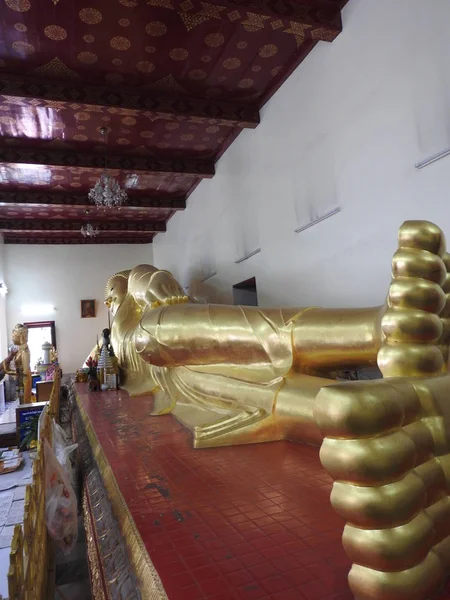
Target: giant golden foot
x=386, y=447
x=386, y=442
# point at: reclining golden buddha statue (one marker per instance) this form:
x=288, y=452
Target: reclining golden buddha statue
x=244, y=374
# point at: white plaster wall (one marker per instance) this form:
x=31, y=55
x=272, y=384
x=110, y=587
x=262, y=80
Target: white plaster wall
x=345, y=130
x=62, y=276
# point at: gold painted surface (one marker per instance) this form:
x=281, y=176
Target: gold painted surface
x=22, y=371
x=151, y=586
x=239, y=375
x=95, y=570
x=31, y=566
x=386, y=442
x=273, y=357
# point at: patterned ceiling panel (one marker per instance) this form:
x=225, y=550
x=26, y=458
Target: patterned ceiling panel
x=77, y=127
x=187, y=47
x=173, y=81
x=14, y=176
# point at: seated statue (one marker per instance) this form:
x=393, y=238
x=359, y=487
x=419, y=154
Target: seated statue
x=244, y=374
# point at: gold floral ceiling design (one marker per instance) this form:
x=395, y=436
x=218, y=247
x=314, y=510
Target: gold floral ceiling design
x=174, y=81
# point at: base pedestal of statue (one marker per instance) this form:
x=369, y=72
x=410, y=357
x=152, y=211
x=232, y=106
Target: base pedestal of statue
x=248, y=522
x=190, y=416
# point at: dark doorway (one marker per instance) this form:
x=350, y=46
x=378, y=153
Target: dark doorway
x=245, y=293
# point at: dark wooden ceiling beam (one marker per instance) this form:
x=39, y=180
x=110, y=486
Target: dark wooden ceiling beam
x=53, y=225
x=16, y=239
x=69, y=200
x=305, y=19
x=90, y=160
x=228, y=113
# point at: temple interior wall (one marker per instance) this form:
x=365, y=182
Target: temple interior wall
x=62, y=276
x=345, y=131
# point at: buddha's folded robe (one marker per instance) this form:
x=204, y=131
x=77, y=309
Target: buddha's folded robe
x=237, y=341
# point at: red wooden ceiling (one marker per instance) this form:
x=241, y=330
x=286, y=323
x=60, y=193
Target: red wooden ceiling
x=175, y=81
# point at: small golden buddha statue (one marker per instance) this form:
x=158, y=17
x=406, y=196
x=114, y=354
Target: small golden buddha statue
x=22, y=370
x=53, y=355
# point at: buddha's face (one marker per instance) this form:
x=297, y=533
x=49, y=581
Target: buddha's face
x=19, y=334
x=116, y=292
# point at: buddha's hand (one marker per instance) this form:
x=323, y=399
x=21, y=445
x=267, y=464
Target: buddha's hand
x=12, y=354
x=8, y=360
x=386, y=447
x=164, y=290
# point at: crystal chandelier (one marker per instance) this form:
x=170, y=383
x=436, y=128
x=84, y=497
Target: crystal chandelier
x=107, y=192
x=88, y=231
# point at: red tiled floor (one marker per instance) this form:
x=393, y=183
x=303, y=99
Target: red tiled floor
x=241, y=523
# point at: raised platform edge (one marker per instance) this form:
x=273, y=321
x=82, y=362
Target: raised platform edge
x=151, y=586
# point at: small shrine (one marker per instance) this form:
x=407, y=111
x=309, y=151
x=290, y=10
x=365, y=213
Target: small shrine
x=47, y=365
x=101, y=368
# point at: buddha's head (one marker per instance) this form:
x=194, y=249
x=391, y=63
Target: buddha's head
x=20, y=334
x=116, y=291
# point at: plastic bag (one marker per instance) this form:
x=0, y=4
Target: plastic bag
x=61, y=447
x=42, y=420
x=63, y=450
x=60, y=503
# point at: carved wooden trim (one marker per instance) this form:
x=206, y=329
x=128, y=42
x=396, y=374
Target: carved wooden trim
x=81, y=200
x=48, y=225
x=224, y=113
x=90, y=160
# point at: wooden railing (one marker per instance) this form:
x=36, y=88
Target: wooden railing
x=31, y=555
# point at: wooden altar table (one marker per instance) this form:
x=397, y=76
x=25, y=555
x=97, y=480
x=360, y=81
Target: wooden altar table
x=166, y=521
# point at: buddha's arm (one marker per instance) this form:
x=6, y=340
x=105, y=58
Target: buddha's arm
x=5, y=366
x=25, y=359
x=231, y=338
x=7, y=369
x=326, y=338
x=228, y=338
x=27, y=378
